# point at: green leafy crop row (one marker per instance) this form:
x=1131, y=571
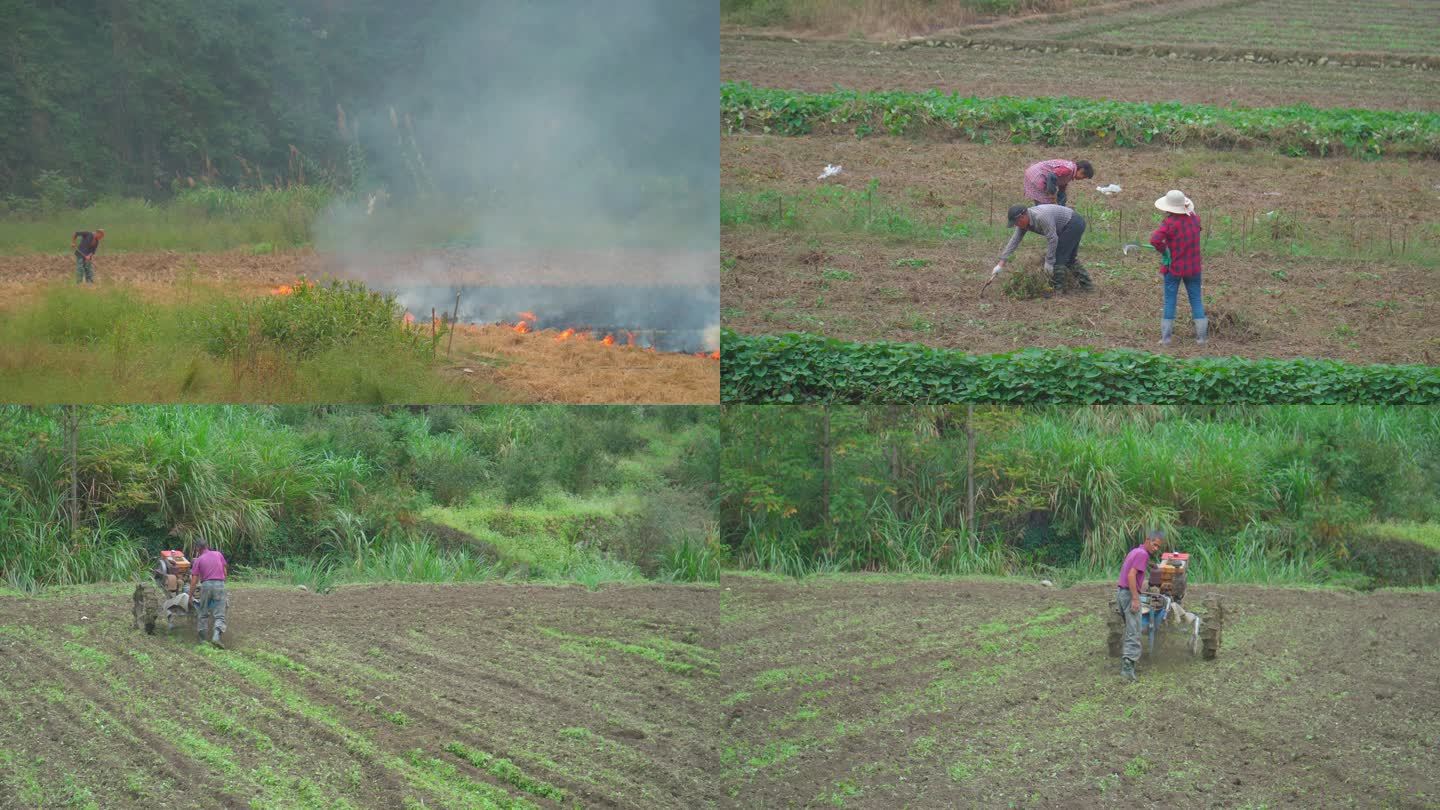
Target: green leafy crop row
x=1297, y=130
x=810, y=368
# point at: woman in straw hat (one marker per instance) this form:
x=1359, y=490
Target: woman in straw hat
x=1178, y=242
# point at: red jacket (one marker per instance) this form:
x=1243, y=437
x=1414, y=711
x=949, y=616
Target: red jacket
x=1181, y=234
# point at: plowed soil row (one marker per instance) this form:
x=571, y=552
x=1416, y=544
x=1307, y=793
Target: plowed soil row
x=820, y=66
x=381, y=696
x=879, y=692
x=947, y=175
x=1319, y=26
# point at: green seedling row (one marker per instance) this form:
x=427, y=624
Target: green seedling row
x=809, y=368
x=1298, y=130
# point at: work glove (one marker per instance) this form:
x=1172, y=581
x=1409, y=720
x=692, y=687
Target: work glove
x=996, y=271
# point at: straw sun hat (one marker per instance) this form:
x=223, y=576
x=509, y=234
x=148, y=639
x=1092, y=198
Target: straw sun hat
x=1175, y=202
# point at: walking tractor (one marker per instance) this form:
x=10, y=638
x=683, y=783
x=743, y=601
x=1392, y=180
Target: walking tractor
x=167, y=597
x=1162, y=604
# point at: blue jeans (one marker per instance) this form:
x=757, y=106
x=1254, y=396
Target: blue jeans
x=1192, y=291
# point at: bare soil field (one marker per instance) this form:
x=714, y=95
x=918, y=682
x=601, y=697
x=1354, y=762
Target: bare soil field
x=533, y=366
x=884, y=692
x=865, y=289
x=819, y=66
x=963, y=173
x=1318, y=26
x=375, y=696
x=1263, y=302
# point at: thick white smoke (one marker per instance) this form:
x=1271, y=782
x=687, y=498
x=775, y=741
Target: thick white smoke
x=545, y=146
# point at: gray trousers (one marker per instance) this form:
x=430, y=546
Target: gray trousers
x=1130, y=648
x=1068, y=241
x=84, y=270
x=211, y=605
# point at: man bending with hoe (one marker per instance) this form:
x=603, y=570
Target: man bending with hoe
x=208, y=572
x=1062, y=228
x=1127, y=598
x=85, y=243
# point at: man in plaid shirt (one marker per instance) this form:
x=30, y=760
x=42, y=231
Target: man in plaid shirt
x=1046, y=181
x=1178, y=242
x=1062, y=228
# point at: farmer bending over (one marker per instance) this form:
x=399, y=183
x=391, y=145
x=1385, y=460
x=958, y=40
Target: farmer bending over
x=208, y=571
x=1178, y=241
x=1046, y=181
x=85, y=243
x=1062, y=228
x=1127, y=599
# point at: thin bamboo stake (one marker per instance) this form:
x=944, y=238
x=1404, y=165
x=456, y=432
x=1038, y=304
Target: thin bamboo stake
x=454, y=319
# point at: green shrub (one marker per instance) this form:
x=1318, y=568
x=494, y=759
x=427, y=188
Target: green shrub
x=447, y=468
x=1394, y=554
x=312, y=319
x=521, y=478
x=1053, y=121
x=665, y=518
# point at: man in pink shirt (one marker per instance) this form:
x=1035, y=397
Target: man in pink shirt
x=208, y=572
x=1127, y=599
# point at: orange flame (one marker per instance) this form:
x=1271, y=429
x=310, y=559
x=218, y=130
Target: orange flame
x=286, y=289
x=715, y=355
x=609, y=340
x=566, y=335
x=528, y=316
x=409, y=318
x=522, y=327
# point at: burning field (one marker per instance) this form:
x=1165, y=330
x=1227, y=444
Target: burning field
x=638, y=328
x=891, y=692
x=507, y=696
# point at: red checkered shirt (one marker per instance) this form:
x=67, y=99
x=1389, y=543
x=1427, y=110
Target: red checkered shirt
x=1034, y=186
x=1180, y=233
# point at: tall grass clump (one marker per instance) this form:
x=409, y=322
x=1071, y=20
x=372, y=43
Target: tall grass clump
x=421, y=561
x=317, y=575
x=332, y=343
x=693, y=560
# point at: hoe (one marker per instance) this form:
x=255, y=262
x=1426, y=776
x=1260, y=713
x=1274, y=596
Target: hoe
x=1160, y=604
